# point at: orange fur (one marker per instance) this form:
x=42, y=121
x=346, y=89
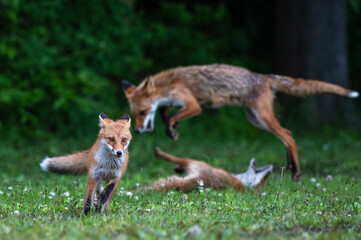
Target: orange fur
x=106, y=160
x=199, y=173
x=215, y=85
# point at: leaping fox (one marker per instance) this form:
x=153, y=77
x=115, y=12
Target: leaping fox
x=216, y=85
x=106, y=161
x=201, y=173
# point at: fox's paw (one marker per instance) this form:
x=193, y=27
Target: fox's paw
x=296, y=176
x=173, y=134
x=97, y=205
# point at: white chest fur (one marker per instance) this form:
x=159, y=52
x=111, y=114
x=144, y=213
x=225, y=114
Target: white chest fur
x=108, y=165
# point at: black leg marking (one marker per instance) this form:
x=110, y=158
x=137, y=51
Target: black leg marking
x=296, y=174
x=88, y=203
x=164, y=114
x=103, y=196
x=178, y=169
x=290, y=161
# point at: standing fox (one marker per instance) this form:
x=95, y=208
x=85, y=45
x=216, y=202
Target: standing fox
x=201, y=173
x=217, y=85
x=106, y=161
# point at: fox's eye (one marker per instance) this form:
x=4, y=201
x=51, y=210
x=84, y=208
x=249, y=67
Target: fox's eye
x=142, y=113
x=124, y=140
x=111, y=139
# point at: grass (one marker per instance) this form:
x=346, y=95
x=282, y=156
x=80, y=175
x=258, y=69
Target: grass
x=39, y=205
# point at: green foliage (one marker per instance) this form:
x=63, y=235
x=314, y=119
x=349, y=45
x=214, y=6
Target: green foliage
x=62, y=61
x=59, y=59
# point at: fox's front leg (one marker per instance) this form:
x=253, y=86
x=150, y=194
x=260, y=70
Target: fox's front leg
x=89, y=195
x=164, y=115
x=105, y=197
x=191, y=108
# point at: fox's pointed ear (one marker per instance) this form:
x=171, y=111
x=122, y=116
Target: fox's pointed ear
x=148, y=87
x=128, y=87
x=102, y=121
x=126, y=117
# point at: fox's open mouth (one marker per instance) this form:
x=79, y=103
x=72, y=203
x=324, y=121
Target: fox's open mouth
x=149, y=126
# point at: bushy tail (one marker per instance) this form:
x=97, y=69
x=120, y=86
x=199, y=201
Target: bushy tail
x=174, y=183
x=75, y=163
x=301, y=87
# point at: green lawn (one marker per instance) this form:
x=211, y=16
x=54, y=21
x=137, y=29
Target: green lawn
x=39, y=205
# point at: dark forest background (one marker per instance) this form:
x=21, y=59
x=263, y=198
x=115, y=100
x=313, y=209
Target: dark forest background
x=61, y=61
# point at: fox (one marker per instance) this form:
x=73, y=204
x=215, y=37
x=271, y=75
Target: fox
x=189, y=88
x=199, y=173
x=106, y=160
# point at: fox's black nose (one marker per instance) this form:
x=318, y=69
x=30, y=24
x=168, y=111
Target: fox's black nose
x=119, y=153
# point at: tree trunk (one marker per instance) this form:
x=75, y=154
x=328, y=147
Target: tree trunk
x=311, y=43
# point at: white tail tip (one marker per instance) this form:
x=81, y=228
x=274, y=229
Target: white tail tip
x=354, y=94
x=44, y=164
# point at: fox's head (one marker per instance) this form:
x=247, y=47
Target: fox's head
x=255, y=177
x=142, y=104
x=115, y=135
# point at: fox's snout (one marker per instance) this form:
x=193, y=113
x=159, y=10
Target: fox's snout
x=119, y=153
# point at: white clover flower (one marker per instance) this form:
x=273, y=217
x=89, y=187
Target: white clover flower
x=70, y=198
x=328, y=178
x=25, y=190
x=10, y=188
x=200, y=183
x=1, y=192
x=264, y=193
x=122, y=188
x=120, y=193
x=136, y=198
x=318, y=184
x=50, y=197
x=163, y=203
x=16, y=212
x=194, y=230
x=185, y=197
x=66, y=194
x=324, y=189
x=52, y=193
x=129, y=194
x=137, y=184
x=147, y=210
x=313, y=179
x=319, y=213
x=201, y=190
x=219, y=194
x=8, y=194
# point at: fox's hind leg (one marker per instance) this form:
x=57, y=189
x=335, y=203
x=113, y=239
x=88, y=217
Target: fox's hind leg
x=182, y=163
x=262, y=115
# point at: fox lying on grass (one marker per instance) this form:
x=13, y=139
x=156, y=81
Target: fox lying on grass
x=199, y=172
x=106, y=161
x=217, y=85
